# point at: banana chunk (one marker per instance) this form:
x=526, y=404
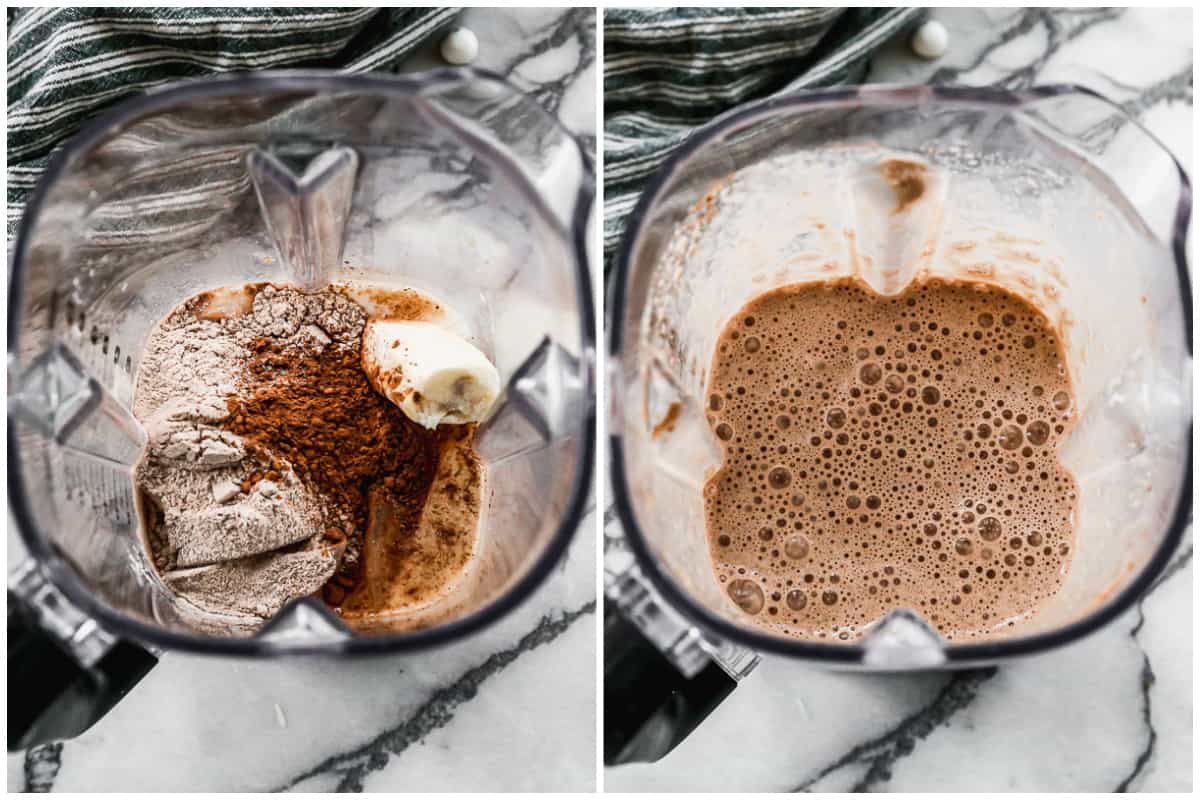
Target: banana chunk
x=432, y=374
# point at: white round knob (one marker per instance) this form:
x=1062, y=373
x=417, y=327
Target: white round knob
x=931, y=40
x=460, y=46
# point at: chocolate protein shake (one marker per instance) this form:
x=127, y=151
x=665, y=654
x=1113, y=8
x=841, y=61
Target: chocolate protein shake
x=889, y=452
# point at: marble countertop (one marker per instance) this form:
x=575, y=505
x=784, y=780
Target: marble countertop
x=511, y=708
x=1111, y=712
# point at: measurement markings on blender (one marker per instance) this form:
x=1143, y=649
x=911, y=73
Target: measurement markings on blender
x=96, y=346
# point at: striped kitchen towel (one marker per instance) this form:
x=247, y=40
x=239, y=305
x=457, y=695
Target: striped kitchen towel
x=65, y=65
x=667, y=71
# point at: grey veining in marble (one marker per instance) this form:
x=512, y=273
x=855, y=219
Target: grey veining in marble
x=1112, y=712
x=511, y=708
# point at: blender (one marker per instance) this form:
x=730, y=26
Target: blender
x=450, y=182
x=1052, y=193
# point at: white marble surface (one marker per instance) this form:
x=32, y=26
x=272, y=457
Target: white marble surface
x=511, y=708
x=1113, y=711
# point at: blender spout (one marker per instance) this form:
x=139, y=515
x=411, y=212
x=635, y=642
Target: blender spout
x=897, y=205
x=306, y=214
x=903, y=640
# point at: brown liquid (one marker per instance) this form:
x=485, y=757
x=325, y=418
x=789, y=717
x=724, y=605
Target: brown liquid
x=889, y=452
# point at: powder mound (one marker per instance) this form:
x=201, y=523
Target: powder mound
x=212, y=500
x=274, y=470
x=257, y=586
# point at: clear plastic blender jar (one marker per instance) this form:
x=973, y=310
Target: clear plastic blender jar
x=450, y=182
x=1053, y=193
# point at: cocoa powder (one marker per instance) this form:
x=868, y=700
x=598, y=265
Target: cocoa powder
x=317, y=411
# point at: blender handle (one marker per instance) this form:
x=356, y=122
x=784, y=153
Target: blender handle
x=649, y=705
x=52, y=695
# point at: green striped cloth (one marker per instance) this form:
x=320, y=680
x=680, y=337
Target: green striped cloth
x=65, y=65
x=667, y=71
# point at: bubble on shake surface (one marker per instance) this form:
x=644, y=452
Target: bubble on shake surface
x=1010, y=437
x=779, y=478
x=746, y=595
x=796, y=546
x=990, y=529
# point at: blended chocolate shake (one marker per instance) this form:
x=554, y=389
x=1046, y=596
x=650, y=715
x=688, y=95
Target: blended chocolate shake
x=890, y=452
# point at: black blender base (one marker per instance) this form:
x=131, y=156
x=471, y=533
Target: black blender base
x=50, y=696
x=649, y=706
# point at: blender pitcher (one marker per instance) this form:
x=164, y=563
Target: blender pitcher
x=1053, y=193
x=451, y=182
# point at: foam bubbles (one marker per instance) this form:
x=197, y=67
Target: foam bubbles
x=877, y=447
